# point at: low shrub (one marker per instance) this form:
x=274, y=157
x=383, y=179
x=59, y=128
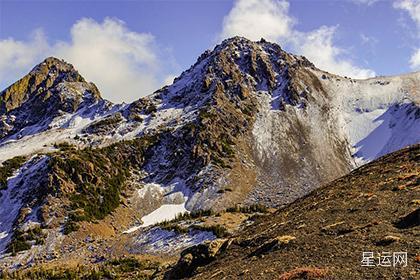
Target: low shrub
x=8, y=168
x=255, y=208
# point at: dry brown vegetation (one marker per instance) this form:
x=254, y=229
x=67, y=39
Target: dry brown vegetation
x=371, y=209
x=305, y=273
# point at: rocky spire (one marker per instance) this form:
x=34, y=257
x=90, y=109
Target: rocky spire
x=41, y=81
x=49, y=89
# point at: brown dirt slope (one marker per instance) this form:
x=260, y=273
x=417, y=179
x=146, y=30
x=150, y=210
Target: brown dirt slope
x=323, y=235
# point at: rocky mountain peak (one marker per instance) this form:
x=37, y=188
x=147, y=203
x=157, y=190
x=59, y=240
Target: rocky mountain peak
x=213, y=108
x=253, y=54
x=247, y=123
x=42, y=81
x=50, y=88
x=52, y=64
x=235, y=67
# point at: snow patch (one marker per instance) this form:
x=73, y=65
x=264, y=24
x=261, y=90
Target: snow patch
x=165, y=212
x=263, y=127
x=173, y=196
x=132, y=229
x=3, y=234
x=35, y=139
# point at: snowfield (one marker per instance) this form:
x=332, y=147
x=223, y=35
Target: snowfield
x=166, y=212
x=377, y=115
x=174, y=197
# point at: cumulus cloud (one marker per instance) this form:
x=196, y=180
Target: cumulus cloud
x=270, y=19
x=258, y=18
x=125, y=65
x=412, y=7
x=415, y=60
x=318, y=46
x=17, y=57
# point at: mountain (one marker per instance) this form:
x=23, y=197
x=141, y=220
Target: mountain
x=247, y=124
x=320, y=236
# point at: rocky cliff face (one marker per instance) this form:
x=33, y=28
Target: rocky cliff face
x=247, y=123
x=246, y=131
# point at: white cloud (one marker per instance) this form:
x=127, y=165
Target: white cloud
x=412, y=7
x=125, y=65
x=270, y=19
x=17, y=57
x=415, y=60
x=254, y=19
x=318, y=47
x=368, y=40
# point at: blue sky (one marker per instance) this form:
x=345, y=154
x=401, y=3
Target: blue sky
x=131, y=48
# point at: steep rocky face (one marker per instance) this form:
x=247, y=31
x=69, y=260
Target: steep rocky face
x=53, y=87
x=253, y=110
x=252, y=123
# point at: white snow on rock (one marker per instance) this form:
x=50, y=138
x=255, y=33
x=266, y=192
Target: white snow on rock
x=173, y=196
x=155, y=190
x=264, y=126
x=35, y=139
x=161, y=241
x=165, y=212
x=132, y=229
x=11, y=200
x=3, y=234
x=376, y=115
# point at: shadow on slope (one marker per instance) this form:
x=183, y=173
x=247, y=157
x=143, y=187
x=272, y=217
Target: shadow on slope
x=396, y=128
